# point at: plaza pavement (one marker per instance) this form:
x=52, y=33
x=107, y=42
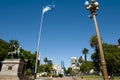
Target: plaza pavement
x=64, y=78
x=67, y=78
x=57, y=78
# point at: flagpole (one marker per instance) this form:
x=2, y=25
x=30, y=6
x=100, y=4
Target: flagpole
x=45, y=9
x=38, y=45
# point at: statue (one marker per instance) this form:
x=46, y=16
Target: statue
x=15, y=54
x=14, y=65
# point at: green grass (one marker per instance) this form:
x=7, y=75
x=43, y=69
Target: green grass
x=92, y=76
x=96, y=78
x=117, y=78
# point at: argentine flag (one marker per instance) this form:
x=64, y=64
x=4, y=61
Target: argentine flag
x=48, y=8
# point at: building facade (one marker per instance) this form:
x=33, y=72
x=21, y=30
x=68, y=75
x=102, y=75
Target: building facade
x=74, y=62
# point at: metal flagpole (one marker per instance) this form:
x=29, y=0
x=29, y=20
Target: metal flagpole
x=38, y=45
x=45, y=9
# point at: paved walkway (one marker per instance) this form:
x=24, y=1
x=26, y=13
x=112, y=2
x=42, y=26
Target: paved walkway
x=57, y=78
x=63, y=78
x=66, y=78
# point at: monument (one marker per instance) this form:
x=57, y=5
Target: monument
x=13, y=66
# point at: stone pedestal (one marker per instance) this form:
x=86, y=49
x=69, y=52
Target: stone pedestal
x=12, y=69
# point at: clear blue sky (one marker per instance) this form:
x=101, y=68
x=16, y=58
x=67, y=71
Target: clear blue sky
x=66, y=29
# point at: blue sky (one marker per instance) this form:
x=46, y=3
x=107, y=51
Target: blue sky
x=66, y=29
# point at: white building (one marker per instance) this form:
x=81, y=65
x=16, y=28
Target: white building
x=74, y=62
x=58, y=69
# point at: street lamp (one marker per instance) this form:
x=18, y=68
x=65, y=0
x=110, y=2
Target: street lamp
x=93, y=7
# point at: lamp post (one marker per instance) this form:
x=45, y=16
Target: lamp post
x=93, y=7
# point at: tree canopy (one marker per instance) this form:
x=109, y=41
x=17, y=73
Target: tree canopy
x=112, y=57
x=111, y=53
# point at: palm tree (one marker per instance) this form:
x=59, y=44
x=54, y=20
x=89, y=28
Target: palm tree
x=85, y=52
x=80, y=59
x=95, y=55
x=94, y=44
x=94, y=41
x=45, y=60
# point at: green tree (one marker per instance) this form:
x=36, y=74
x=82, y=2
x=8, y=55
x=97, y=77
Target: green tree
x=41, y=68
x=90, y=65
x=14, y=44
x=49, y=62
x=82, y=67
x=85, y=52
x=47, y=67
x=112, y=57
x=30, y=57
x=80, y=60
x=69, y=71
x=94, y=41
x=4, y=48
x=95, y=55
x=28, y=71
x=45, y=60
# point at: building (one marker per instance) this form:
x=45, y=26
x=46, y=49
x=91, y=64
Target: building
x=58, y=69
x=74, y=62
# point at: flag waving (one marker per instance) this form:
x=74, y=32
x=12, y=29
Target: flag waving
x=48, y=8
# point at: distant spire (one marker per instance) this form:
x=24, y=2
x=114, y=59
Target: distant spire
x=62, y=64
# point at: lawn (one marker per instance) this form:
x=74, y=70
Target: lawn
x=95, y=78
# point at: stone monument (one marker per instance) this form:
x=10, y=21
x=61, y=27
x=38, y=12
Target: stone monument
x=13, y=67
